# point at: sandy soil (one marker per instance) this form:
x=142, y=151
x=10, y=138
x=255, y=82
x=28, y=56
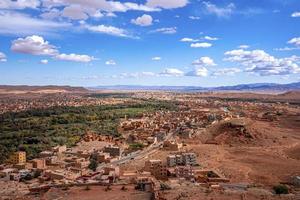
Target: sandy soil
x=97, y=193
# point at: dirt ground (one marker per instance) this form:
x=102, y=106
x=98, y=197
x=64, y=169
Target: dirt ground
x=196, y=193
x=94, y=193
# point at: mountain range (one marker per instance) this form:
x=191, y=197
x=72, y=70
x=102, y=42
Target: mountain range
x=241, y=87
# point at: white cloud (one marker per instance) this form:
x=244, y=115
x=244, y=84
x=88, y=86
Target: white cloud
x=219, y=11
x=51, y=14
x=189, y=40
x=111, y=14
x=19, y=4
x=135, y=75
x=74, y=12
x=74, y=57
x=204, y=62
x=260, y=62
x=167, y=4
x=110, y=62
x=144, y=20
x=244, y=46
x=44, y=61
x=210, y=38
x=156, y=58
x=98, y=14
x=148, y=74
x=295, y=14
x=295, y=41
x=20, y=24
x=169, y=30
x=199, y=71
x=226, y=72
x=287, y=49
x=194, y=17
x=109, y=30
x=81, y=9
x=201, y=45
x=172, y=72
x=34, y=45
x=2, y=57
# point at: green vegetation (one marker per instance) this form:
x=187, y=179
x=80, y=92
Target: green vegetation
x=93, y=165
x=93, y=162
x=40, y=129
x=136, y=146
x=112, y=95
x=281, y=189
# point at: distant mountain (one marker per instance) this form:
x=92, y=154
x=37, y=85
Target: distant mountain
x=242, y=87
x=262, y=86
x=140, y=87
x=48, y=88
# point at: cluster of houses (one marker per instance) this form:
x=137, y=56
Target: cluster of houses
x=58, y=164
x=182, y=166
x=57, y=99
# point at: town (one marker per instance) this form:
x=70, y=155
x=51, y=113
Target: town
x=159, y=150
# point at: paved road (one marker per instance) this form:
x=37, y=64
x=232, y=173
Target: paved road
x=137, y=154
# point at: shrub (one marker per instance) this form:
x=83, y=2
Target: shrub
x=281, y=189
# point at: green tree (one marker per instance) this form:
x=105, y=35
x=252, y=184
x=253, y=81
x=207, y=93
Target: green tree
x=281, y=189
x=93, y=164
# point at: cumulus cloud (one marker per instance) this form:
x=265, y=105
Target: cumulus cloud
x=194, y=17
x=189, y=40
x=167, y=4
x=287, y=49
x=80, y=9
x=199, y=71
x=295, y=41
x=144, y=20
x=204, y=62
x=201, y=45
x=244, y=46
x=157, y=58
x=219, y=11
x=226, y=72
x=74, y=57
x=295, y=14
x=51, y=14
x=171, y=72
x=210, y=38
x=74, y=12
x=110, y=62
x=260, y=62
x=44, y=61
x=2, y=57
x=34, y=45
x=168, y=30
x=135, y=75
x=19, y=4
x=109, y=30
x=21, y=24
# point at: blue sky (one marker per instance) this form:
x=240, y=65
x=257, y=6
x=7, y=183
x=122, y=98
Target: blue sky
x=149, y=42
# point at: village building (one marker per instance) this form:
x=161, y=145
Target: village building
x=114, y=151
x=60, y=149
x=39, y=163
x=171, y=146
x=18, y=157
x=157, y=168
x=189, y=159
